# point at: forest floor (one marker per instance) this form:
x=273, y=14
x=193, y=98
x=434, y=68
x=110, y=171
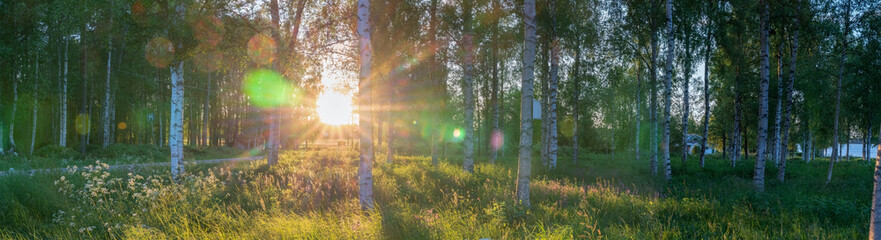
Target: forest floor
x=53, y=157
x=312, y=194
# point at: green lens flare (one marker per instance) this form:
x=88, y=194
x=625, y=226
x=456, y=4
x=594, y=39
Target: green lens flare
x=266, y=88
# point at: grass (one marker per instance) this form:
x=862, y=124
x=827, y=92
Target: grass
x=59, y=157
x=313, y=195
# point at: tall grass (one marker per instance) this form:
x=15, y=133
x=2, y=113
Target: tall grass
x=312, y=195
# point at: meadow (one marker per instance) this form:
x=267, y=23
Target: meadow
x=312, y=194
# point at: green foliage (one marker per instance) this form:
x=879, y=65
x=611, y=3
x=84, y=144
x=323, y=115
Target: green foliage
x=312, y=195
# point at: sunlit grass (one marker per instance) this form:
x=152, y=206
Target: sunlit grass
x=312, y=195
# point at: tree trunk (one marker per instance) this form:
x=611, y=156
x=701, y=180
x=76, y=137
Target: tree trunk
x=496, y=134
x=206, y=112
x=577, y=95
x=544, y=103
x=761, y=142
x=107, y=95
x=835, y=144
x=524, y=165
x=437, y=134
x=706, y=120
x=365, y=161
x=686, y=104
x=176, y=131
x=775, y=151
x=638, y=108
x=668, y=90
x=653, y=165
x=468, y=91
x=35, y=106
x=875, y=223
x=82, y=127
x=552, y=90
x=787, y=108
x=62, y=137
x=15, y=80
x=390, y=134
x=274, y=112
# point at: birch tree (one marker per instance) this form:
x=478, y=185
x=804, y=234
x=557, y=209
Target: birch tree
x=835, y=144
x=668, y=82
x=365, y=160
x=552, y=88
x=761, y=142
x=107, y=109
x=793, y=54
x=468, y=88
x=524, y=162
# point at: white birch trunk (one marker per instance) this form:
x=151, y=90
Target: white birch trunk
x=107, y=109
x=524, y=163
x=787, y=109
x=653, y=144
x=468, y=91
x=35, y=106
x=365, y=161
x=62, y=137
x=761, y=142
x=668, y=89
x=176, y=131
x=835, y=144
x=552, y=90
x=706, y=99
x=775, y=152
x=14, y=108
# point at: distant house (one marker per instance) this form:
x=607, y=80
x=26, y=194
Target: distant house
x=694, y=142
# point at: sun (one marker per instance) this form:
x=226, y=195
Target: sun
x=334, y=108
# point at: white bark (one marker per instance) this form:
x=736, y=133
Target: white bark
x=107, y=109
x=524, y=165
x=468, y=91
x=653, y=112
x=176, y=131
x=35, y=106
x=761, y=142
x=668, y=89
x=552, y=90
x=14, y=108
x=437, y=135
x=62, y=137
x=787, y=110
x=775, y=152
x=495, y=134
x=706, y=99
x=365, y=161
x=835, y=144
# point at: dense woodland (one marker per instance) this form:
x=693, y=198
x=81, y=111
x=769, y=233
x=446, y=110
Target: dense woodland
x=453, y=80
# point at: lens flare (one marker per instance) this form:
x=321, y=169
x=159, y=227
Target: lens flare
x=209, y=31
x=266, y=88
x=121, y=126
x=457, y=133
x=261, y=49
x=159, y=52
x=82, y=124
x=497, y=139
